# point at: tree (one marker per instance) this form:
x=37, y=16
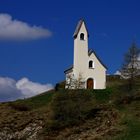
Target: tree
x=69, y=81
x=74, y=83
x=131, y=66
x=79, y=82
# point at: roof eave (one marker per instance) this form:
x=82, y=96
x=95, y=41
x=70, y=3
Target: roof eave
x=68, y=70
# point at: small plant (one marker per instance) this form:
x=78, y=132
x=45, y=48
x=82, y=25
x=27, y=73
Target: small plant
x=20, y=106
x=60, y=86
x=102, y=95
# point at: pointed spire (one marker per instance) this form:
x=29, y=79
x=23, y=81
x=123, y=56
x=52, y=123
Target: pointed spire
x=78, y=28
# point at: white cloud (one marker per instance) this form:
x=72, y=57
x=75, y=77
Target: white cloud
x=29, y=88
x=8, y=90
x=117, y=72
x=139, y=57
x=17, y=30
x=12, y=90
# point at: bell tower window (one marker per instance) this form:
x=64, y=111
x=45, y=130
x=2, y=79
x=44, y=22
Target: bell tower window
x=91, y=64
x=82, y=36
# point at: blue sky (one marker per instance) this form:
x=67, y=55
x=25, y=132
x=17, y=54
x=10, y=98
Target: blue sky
x=112, y=25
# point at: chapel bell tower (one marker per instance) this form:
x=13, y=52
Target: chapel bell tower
x=80, y=48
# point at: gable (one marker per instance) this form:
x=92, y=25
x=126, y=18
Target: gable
x=91, y=52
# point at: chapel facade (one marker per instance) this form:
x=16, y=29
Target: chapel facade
x=87, y=71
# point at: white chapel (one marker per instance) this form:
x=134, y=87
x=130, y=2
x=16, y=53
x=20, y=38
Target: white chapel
x=87, y=68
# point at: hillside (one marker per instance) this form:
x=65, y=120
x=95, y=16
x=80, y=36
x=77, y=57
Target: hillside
x=110, y=114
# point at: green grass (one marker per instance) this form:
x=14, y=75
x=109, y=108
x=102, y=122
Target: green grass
x=67, y=109
x=132, y=131
x=37, y=101
x=103, y=95
x=130, y=120
x=16, y=115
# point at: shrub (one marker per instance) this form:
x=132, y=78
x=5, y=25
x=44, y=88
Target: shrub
x=19, y=106
x=60, y=86
x=70, y=109
x=103, y=95
x=132, y=130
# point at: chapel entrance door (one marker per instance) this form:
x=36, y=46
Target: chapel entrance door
x=90, y=83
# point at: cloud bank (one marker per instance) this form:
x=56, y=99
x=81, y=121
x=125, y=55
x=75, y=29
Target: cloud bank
x=139, y=57
x=117, y=72
x=15, y=30
x=11, y=90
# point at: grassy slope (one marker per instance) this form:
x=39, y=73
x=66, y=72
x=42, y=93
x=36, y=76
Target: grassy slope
x=16, y=115
x=131, y=121
x=129, y=113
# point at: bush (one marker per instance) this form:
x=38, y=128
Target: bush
x=103, y=95
x=70, y=109
x=19, y=106
x=60, y=86
x=132, y=130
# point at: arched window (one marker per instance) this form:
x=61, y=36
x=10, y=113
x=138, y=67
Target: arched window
x=91, y=64
x=82, y=36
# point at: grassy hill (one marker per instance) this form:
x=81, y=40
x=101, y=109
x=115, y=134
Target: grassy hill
x=110, y=114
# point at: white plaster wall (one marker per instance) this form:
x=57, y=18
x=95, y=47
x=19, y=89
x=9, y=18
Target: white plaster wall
x=81, y=62
x=80, y=52
x=98, y=73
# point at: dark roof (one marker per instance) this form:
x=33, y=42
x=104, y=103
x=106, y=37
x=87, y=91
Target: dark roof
x=90, y=51
x=69, y=69
x=78, y=28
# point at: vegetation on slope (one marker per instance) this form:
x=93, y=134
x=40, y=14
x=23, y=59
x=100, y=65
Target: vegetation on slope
x=112, y=114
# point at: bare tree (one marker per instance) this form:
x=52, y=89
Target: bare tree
x=74, y=83
x=79, y=82
x=70, y=81
x=131, y=66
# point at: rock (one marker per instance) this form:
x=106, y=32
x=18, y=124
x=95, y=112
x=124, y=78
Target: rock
x=29, y=132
